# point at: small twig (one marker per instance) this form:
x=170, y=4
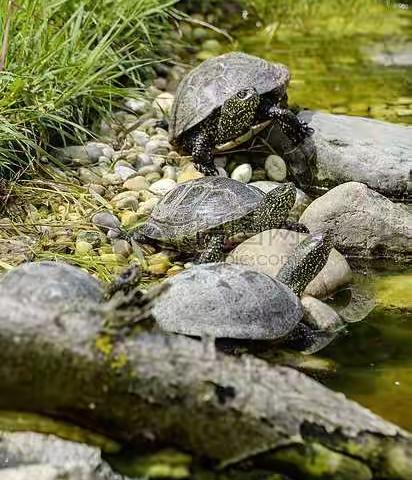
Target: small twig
x=5, y=43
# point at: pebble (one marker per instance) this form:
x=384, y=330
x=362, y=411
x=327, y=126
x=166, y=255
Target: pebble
x=129, y=218
x=136, y=183
x=189, y=173
x=211, y=45
x=87, y=176
x=199, y=33
x=148, y=169
x=105, y=220
x=144, y=160
x=158, y=263
x=98, y=149
x=145, y=208
x=169, y=172
x=145, y=195
x=153, y=177
x=111, y=179
x=162, y=104
x=94, y=237
x=139, y=138
x=96, y=188
x=161, y=187
x=113, y=233
x=104, y=162
x=137, y=105
x=160, y=83
x=122, y=247
x=83, y=248
x=124, y=172
x=158, y=147
x=242, y=173
x=275, y=168
x=128, y=200
x=110, y=258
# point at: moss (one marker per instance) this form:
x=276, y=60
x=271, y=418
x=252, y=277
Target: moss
x=21, y=421
x=104, y=344
x=393, y=291
x=119, y=361
x=313, y=461
x=168, y=463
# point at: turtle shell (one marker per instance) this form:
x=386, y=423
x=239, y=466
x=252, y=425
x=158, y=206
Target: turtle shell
x=197, y=205
x=215, y=80
x=227, y=301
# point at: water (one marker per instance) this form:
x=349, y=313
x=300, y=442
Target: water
x=332, y=69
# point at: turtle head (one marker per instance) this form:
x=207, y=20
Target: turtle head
x=237, y=114
x=306, y=261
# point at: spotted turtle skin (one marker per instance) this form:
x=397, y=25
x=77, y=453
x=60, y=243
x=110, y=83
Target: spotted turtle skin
x=212, y=209
x=227, y=99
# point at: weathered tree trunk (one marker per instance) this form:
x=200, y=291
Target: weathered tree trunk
x=152, y=389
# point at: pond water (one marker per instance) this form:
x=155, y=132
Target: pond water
x=334, y=71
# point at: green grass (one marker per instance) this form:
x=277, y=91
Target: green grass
x=67, y=62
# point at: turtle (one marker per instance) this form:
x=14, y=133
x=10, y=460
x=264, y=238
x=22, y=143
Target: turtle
x=227, y=300
x=226, y=100
x=201, y=214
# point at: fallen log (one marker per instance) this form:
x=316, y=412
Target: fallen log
x=150, y=389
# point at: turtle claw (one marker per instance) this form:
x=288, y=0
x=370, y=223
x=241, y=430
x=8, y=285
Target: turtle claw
x=302, y=132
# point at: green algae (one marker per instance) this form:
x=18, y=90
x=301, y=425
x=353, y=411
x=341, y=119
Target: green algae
x=23, y=421
x=394, y=291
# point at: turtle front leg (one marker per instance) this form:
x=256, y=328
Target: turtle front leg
x=297, y=130
x=213, y=251
x=296, y=227
x=201, y=148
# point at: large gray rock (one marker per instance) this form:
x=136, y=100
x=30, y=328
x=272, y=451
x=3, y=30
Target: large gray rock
x=32, y=456
x=363, y=222
x=345, y=148
x=267, y=251
x=150, y=389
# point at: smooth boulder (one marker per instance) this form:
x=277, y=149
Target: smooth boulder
x=268, y=251
x=363, y=222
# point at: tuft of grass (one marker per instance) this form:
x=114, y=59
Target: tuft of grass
x=65, y=62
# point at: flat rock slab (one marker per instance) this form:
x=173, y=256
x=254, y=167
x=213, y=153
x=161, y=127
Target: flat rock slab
x=363, y=222
x=348, y=148
x=359, y=149
x=269, y=250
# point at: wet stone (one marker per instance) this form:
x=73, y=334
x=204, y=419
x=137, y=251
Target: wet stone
x=105, y=220
x=242, y=173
